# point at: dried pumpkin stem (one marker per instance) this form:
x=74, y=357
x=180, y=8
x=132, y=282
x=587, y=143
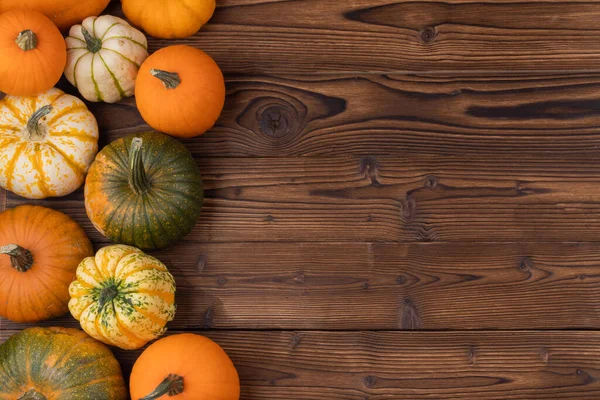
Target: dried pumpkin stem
x=138, y=181
x=33, y=125
x=27, y=40
x=32, y=394
x=170, y=79
x=107, y=294
x=93, y=44
x=172, y=385
x=20, y=258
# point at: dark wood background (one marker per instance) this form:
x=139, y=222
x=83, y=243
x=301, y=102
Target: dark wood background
x=402, y=200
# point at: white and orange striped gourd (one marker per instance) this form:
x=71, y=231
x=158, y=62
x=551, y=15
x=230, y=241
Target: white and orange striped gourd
x=123, y=297
x=47, y=144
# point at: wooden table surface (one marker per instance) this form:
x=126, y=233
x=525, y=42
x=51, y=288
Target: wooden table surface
x=402, y=200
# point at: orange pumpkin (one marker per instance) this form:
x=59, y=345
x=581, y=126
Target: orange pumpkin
x=64, y=13
x=40, y=249
x=169, y=19
x=180, y=90
x=186, y=365
x=33, y=53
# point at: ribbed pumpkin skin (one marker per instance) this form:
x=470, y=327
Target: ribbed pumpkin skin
x=207, y=371
x=162, y=215
x=57, y=244
x=123, y=297
x=59, y=364
x=30, y=68
x=169, y=19
x=53, y=162
x=64, y=13
x=104, y=65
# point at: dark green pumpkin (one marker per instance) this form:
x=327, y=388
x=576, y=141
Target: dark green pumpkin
x=59, y=364
x=144, y=190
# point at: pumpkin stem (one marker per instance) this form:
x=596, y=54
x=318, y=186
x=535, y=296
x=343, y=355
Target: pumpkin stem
x=32, y=394
x=20, y=258
x=33, y=125
x=107, y=294
x=171, y=385
x=170, y=79
x=138, y=181
x=93, y=44
x=27, y=40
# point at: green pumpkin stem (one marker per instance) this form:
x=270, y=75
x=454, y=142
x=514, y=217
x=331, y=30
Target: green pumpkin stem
x=93, y=44
x=107, y=294
x=170, y=79
x=32, y=394
x=138, y=181
x=27, y=40
x=20, y=258
x=33, y=125
x=172, y=385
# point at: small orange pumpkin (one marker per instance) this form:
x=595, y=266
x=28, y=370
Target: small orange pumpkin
x=64, y=13
x=180, y=90
x=33, y=53
x=169, y=19
x=186, y=365
x=40, y=249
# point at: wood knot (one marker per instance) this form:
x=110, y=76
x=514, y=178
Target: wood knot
x=408, y=209
x=201, y=263
x=472, y=356
x=401, y=280
x=431, y=182
x=544, y=355
x=365, y=285
x=299, y=278
x=427, y=34
x=410, y=318
x=369, y=168
x=221, y=280
x=208, y=318
x=370, y=381
x=525, y=264
x=295, y=341
x=278, y=121
x=269, y=218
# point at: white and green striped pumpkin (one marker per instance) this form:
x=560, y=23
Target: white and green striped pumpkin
x=123, y=297
x=104, y=55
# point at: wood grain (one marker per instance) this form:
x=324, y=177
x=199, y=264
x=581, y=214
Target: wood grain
x=320, y=36
x=373, y=115
x=426, y=365
x=363, y=286
x=410, y=198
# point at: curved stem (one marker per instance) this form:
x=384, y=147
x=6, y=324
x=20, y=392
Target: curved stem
x=33, y=125
x=27, y=40
x=93, y=44
x=107, y=295
x=20, y=258
x=138, y=181
x=170, y=79
x=171, y=385
x=32, y=394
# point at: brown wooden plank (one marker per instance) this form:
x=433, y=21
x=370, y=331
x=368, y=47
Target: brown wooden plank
x=309, y=36
x=3, y=199
x=426, y=365
x=402, y=198
x=339, y=286
x=371, y=115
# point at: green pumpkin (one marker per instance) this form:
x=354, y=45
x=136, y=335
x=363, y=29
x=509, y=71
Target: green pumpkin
x=144, y=190
x=58, y=364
